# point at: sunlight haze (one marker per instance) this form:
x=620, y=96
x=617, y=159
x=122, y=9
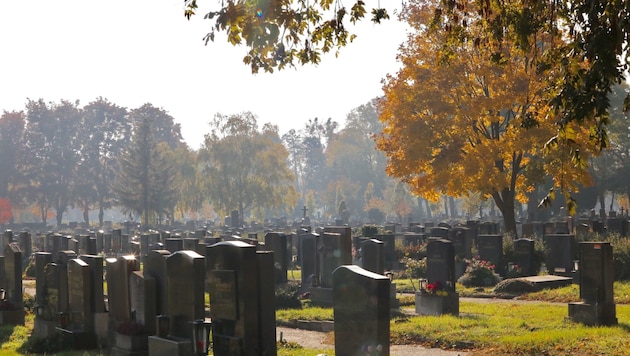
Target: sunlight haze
x=133, y=52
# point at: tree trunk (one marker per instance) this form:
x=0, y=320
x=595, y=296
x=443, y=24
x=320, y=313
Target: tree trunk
x=86, y=214
x=451, y=203
x=505, y=202
x=428, y=208
x=101, y=214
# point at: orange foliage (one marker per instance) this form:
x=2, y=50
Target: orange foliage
x=6, y=213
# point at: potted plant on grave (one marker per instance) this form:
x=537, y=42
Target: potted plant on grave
x=433, y=298
x=131, y=336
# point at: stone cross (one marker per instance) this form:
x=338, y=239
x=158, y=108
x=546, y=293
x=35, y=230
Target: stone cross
x=304, y=210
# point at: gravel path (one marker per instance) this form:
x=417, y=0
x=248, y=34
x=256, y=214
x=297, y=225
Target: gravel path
x=321, y=340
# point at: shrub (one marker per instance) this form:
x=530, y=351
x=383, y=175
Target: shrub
x=49, y=345
x=514, y=286
x=287, y=296
x=479, y=273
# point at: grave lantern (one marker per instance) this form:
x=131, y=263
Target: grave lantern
x=201, y=336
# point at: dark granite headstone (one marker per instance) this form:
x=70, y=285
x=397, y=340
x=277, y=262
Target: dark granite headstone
x=95, y=268
x=186, y=273
x=155, y=266
x=143, y=302
x=441, y=263
x=118, y=272
x=238, y=300
x=174, y=244
x=490, y=249
x=13, y=273
x=41, y=260
x=335, y=249
x=389, y=249
x=524, y=256
x=462, y=240
x=62, y=258
x=596, y=285
x=79, y=296
x=308, y=260
x=361, y=311
x=277, y=242
x=372, y=256
x=26, y=244
x=560, y=253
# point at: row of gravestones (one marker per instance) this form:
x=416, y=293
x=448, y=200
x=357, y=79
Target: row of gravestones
x=117, y=242
x=596, y=280
x=165, y=301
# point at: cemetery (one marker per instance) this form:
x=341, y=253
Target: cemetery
x=215, y=291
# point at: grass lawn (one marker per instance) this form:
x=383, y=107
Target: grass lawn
x=505, y=328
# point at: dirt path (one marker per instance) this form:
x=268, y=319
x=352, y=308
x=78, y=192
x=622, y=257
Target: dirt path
x=322, y=340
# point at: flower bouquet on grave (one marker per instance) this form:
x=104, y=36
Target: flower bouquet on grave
x=434, y=288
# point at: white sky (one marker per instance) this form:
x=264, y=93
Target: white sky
x=144, y=51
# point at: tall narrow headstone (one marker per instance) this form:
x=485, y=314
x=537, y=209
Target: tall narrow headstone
x=80, y=296
x=186, y=274
x=596, y=285
x=143, y=302
x=118, y=272
x=234, y=302
x=372, y=256
x=277, y=242
x=155, y=266
x=362, y=311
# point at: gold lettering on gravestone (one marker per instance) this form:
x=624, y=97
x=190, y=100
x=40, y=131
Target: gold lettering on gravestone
x=224, y=295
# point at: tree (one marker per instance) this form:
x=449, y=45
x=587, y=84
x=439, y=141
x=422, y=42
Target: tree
x=465, y=117
x=144, y=183
x=591, y=59
x=246, y=166
x=50, y=156
x=281, y=33
x=11, y=135
x=105, y=132
x=353, y=159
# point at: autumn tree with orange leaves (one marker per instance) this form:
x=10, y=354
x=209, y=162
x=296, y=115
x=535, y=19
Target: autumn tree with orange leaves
x=469, y=116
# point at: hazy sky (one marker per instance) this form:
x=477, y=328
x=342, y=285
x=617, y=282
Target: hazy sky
x=144, y=51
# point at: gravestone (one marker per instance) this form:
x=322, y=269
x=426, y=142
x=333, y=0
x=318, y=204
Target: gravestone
x=186, y=273
x=277, y=242
x=413, y=238
x=13, y=313
x=155, y=266
x=596, y=285
x=97, y=301
x=560, y=254
x=308, y=260
x=372, y=256
x=143, y=302
x=174, y=244
x=490, y=249
x=462, y=240
x=118, y=295
x=107, y=241
x=524, y=256
x=45, y=320
x=335, y=249
x=442, y=299
x=117, y=240
x=26, y=245
x=361, y=311
x=62, y=258
x=242, y=305
x=77, y=327
x=389, y=249
x=439, y=232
